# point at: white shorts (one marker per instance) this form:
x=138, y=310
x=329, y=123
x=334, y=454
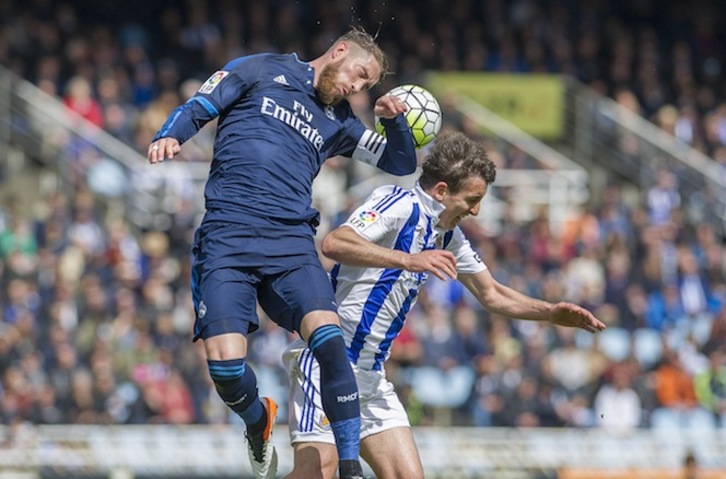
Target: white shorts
x=380, y=408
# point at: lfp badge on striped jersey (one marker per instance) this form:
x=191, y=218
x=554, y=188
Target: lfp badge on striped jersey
x=364, y=219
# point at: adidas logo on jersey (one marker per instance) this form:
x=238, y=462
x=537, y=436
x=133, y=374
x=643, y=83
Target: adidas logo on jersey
x=281, y=80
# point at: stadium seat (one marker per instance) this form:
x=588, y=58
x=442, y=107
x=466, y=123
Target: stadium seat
x=583, y=339
x=701, y=328
x=647, y=346
x=697, y=419
x=615, y=343
x=674, y=338
x=436, y=387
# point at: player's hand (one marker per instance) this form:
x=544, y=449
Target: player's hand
x=574, y=316
x=442, y=263
x=163, y=148
x=389, y=106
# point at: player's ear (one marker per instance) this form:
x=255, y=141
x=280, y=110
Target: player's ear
x=340, y=48
x=440, y=191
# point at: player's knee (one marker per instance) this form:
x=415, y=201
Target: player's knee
x=225, y=346
x=306, y=471
x=328, y=347
x=414, y=471
x=397, y=469
x=314, y=461
x=233, y=380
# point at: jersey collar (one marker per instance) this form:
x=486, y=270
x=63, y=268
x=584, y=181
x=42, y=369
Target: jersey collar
x=308, y=75
x=431, y=207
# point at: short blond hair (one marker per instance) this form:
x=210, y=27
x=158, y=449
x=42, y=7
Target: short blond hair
x=368, y=43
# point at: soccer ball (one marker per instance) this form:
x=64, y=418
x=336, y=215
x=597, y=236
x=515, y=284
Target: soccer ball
x=423, y=115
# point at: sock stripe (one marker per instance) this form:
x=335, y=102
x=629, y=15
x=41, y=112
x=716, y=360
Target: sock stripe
x=226, y=369
x=320, y=339
x=323, y=334
x=226, y=372
x=236, y=384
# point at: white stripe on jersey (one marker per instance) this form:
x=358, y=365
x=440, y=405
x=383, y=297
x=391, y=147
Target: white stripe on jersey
x=373, y=302
x=369, y=148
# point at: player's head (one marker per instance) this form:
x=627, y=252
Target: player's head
x=353, y=63
x=457, y=172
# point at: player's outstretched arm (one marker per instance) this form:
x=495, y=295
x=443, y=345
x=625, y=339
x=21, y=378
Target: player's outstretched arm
x=346, y=246
x=500, y=299
x=220, y=92
x=574, y=316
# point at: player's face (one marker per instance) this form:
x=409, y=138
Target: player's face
x=347, y=76
x=463, y=203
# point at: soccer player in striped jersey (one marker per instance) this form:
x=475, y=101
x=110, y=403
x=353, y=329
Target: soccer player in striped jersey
x=385, y=251
x=279, y=119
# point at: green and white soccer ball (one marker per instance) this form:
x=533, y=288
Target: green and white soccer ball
x=423, y=115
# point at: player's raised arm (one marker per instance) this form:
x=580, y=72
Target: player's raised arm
x=422, y=117
x=389, y=107
x=394, y=153
x=399, y=155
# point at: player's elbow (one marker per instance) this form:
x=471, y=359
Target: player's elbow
x=406, y=170
x=489, y=299
x=405, y=166
x=495, y=297
x=331, y=247
x=399, y=159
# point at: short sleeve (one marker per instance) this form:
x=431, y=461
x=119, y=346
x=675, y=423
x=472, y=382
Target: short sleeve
x=386, y=210
x=468, y=261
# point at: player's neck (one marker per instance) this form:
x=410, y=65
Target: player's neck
x=317, y=66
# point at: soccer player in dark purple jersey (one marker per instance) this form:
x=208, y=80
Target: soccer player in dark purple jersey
x=279, y=119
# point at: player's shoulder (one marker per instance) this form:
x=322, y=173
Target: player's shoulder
x=343, y=109
x=391, y=198
x=454, y=237
x=259, y=62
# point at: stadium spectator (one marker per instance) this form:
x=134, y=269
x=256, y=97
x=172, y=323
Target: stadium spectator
x=617, y=406
x=79, y=98
x=678, y=406
x=663, y=198
x=710, y=385
x=665, y=309
x=574, y=368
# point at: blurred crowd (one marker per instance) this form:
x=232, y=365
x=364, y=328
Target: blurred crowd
x=96, y=315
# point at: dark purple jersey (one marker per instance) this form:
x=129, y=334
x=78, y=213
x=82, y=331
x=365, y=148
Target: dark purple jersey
x=273, y=135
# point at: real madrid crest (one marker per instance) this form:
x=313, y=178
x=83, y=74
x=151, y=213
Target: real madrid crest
x=330, y=112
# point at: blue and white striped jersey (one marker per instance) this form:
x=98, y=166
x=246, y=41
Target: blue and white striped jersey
x=272, y=137
x=373, y=302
